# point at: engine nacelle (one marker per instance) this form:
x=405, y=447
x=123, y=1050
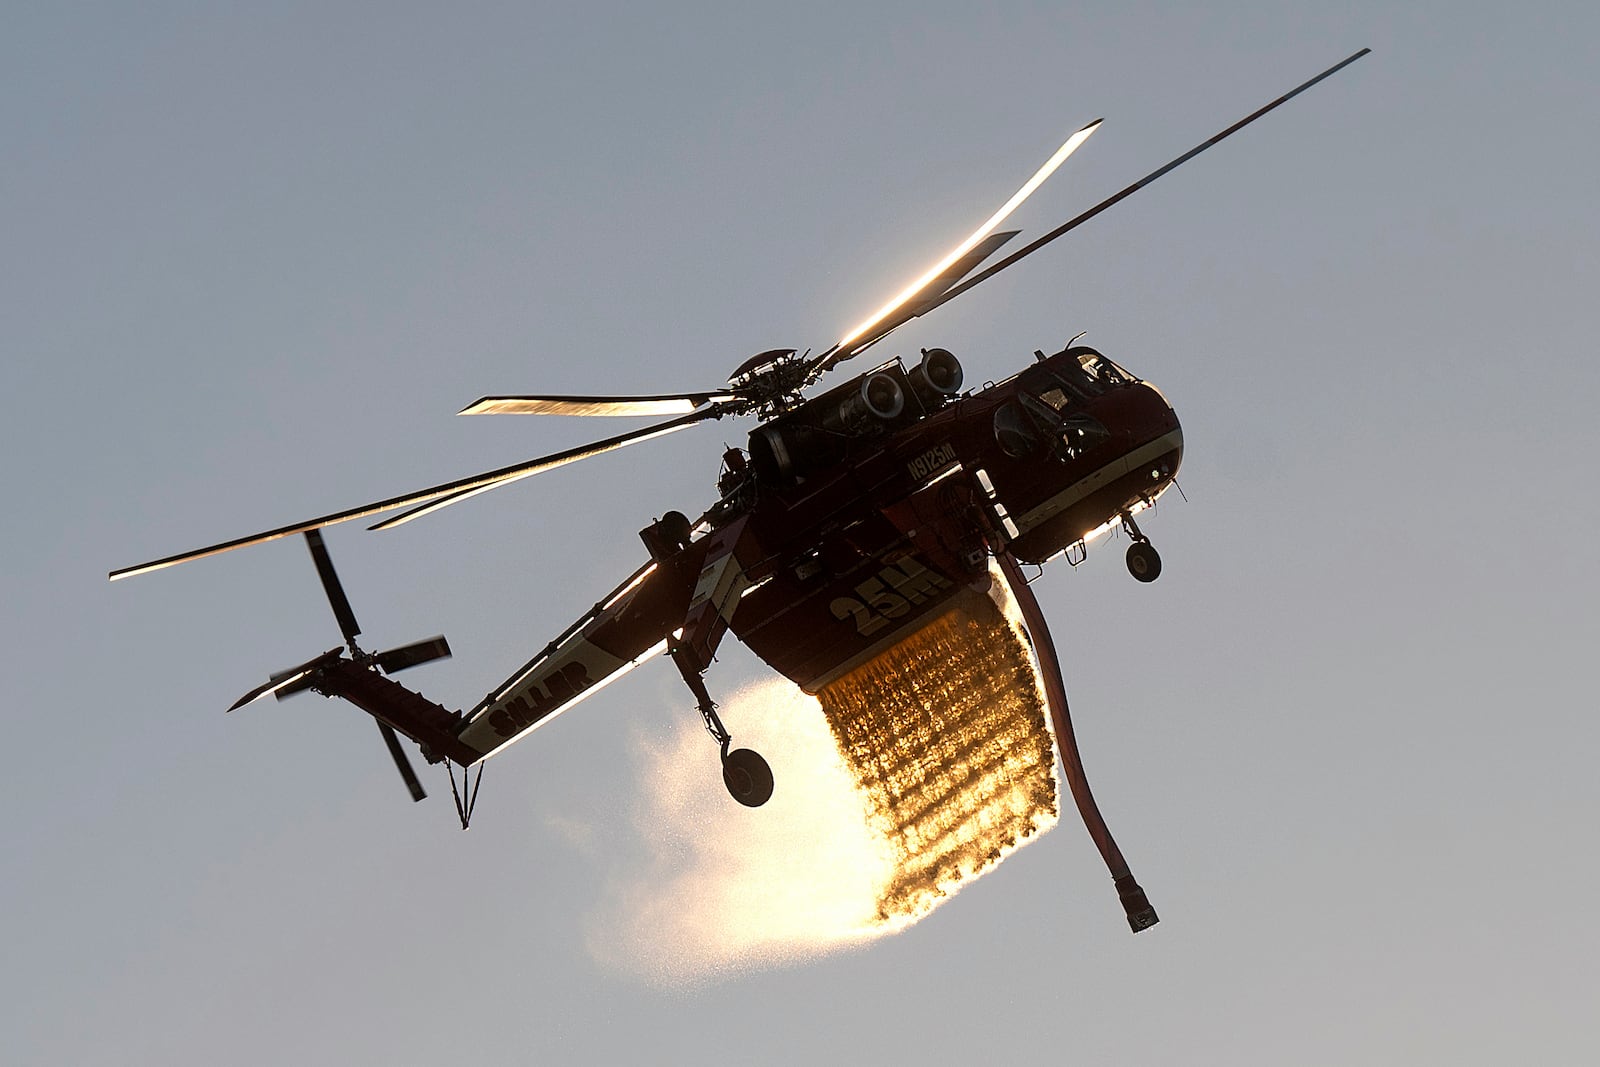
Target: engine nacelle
x=878, y=400
x=937, y=378
x=822, y=431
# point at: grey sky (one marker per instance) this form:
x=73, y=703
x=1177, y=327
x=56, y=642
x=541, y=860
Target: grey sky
x=254, y=259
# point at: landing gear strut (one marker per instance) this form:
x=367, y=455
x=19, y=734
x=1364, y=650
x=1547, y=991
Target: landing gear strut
x=744, y=772
x=1144, y=562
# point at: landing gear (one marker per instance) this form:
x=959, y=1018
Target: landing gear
x=747, y=776
x=744, y=772
x=1144, y=562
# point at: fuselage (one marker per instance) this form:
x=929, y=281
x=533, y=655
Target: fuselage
x=864, y=514
x=866, y=531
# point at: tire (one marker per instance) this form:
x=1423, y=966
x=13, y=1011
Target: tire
x=1144, y=562
x=747, y=776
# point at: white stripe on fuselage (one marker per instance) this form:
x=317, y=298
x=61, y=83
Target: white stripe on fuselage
x=480, y=733
x=1101, y=478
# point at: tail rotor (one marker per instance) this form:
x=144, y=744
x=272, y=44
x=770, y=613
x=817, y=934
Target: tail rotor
x=298, y=679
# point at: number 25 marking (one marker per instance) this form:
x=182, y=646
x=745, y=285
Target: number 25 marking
x=881, y=606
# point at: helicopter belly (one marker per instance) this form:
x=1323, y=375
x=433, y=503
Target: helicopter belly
x=814, y=626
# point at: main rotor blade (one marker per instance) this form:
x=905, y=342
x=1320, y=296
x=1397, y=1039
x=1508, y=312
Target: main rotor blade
x=851, y=342
x=456, y=490
x=671, y=404
x=1073, y=224
x=925, y=298
x=333, y=587
x=470, y=487
x=401, y=762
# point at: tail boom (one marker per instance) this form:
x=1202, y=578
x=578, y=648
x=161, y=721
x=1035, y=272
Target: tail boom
x=430, y=725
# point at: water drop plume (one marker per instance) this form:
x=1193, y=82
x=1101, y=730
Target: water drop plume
x=902, y=781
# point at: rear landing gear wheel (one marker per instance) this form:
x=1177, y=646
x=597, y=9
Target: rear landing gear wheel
x=747, y=776
x=1144, y=562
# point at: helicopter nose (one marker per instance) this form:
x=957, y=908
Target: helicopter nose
x=1158, y=442
x=1166, y=469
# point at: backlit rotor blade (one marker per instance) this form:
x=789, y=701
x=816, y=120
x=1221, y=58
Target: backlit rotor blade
x=401, y=762
x=948, y=277
x=398, y=659
x=287, y=678
x=337, y=517
x=925, y=299
x=1073, y=224
x=331, y=585
x=676, y=404
x=917, y=287
x=456, y=490
x=470, y=487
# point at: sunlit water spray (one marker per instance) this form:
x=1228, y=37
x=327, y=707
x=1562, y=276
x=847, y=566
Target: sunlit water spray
x=904, y=780
x=946, y=735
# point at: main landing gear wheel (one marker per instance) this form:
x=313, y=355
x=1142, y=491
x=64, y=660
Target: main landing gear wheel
x=1144, y=562
x=747, y=776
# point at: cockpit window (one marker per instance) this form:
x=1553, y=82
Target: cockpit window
x=1061, y=383
x=1056, y=397
x=1101, y=371
x=1051, y=387
x=1049, y=405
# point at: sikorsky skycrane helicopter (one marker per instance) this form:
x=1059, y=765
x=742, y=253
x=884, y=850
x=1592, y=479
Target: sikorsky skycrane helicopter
x=852, y=519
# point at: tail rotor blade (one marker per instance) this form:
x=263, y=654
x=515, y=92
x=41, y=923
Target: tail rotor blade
x=401, y=762
x=287, y=683
x=260, y=691
x=332, y=586
x=398, y=659
x=290, y=680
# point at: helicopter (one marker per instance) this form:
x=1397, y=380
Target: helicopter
x=853, y=517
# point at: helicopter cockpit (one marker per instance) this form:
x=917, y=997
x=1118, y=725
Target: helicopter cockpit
x=1085, y=373
x=1044, y=409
